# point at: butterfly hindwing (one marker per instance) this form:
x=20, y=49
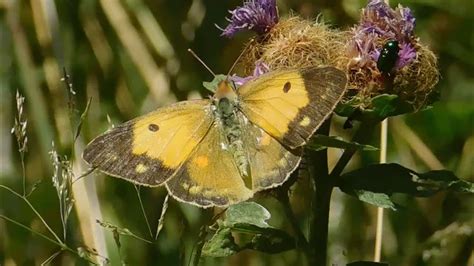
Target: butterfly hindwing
x=210, y=176
x=149, y=149
x=291, y=104
x=270, y=162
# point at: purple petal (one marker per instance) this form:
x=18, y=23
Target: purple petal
x=239, y=81
x=375, y=55
x=260, y=69
x=257, y=15
x=406, y=55
x=408, y=19
x=380, y=7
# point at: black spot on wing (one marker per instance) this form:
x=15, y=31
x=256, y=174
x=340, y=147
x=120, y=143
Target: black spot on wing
x=287, y=87
x=325, y=87
x=153, y=127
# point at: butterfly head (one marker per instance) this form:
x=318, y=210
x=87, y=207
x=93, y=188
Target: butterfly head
x=225, y=98
x=225, y=89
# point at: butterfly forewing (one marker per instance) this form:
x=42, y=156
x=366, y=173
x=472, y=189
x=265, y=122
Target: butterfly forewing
x=149, y=149
x=291, y=104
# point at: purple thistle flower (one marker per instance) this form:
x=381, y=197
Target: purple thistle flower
x=260, y=69
x=380, y=23
x=406, y=55
x=257, y=15
x=409, y=19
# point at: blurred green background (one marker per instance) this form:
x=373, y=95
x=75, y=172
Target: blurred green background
x=131, y=56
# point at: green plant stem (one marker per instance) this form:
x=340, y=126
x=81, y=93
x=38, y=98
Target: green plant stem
x=360, y=136
x=318, y=171
x=194, y=261
x=199, y=245
x=59, y=243
x=324, y=184
x=301, y=241
x=23, y=170
x=36, y=212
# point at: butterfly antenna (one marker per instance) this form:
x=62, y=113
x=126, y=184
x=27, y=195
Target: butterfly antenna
x=202, y=62
x=240, y=56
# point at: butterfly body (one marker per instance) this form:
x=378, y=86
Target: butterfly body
x=231, y=122
x=222, y=150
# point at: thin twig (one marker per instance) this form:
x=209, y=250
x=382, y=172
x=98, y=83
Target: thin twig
x=383, y=159
x=23, y=171
x=36, y=212
x=380, y=211
x=137, y=189
x=84, y=174
x=59, y=243
x=51, y=258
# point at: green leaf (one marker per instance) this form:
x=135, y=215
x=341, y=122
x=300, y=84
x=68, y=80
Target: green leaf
x=249, y=220
x=212, y=85
x=379, y=107
x=222, y=244
x=272, y=241
x=321, y=142
x=82, y=118
x=367, y=263
x=386, y=105
x=346, y=109
x=378, y=199
x=247, y=213
x=118, y=231
x=368, y=182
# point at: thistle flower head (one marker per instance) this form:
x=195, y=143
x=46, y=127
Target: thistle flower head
x=380, y=23
x=385, y=56
x=257, y=15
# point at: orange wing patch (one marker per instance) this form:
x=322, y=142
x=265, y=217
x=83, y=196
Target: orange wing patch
x=210, y=176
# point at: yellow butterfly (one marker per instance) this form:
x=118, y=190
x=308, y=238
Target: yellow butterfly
x=222, y=150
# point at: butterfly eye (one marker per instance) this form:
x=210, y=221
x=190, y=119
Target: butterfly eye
x=287, y=87
x=153, y=127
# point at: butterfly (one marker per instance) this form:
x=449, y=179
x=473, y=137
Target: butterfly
x=222, y=150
